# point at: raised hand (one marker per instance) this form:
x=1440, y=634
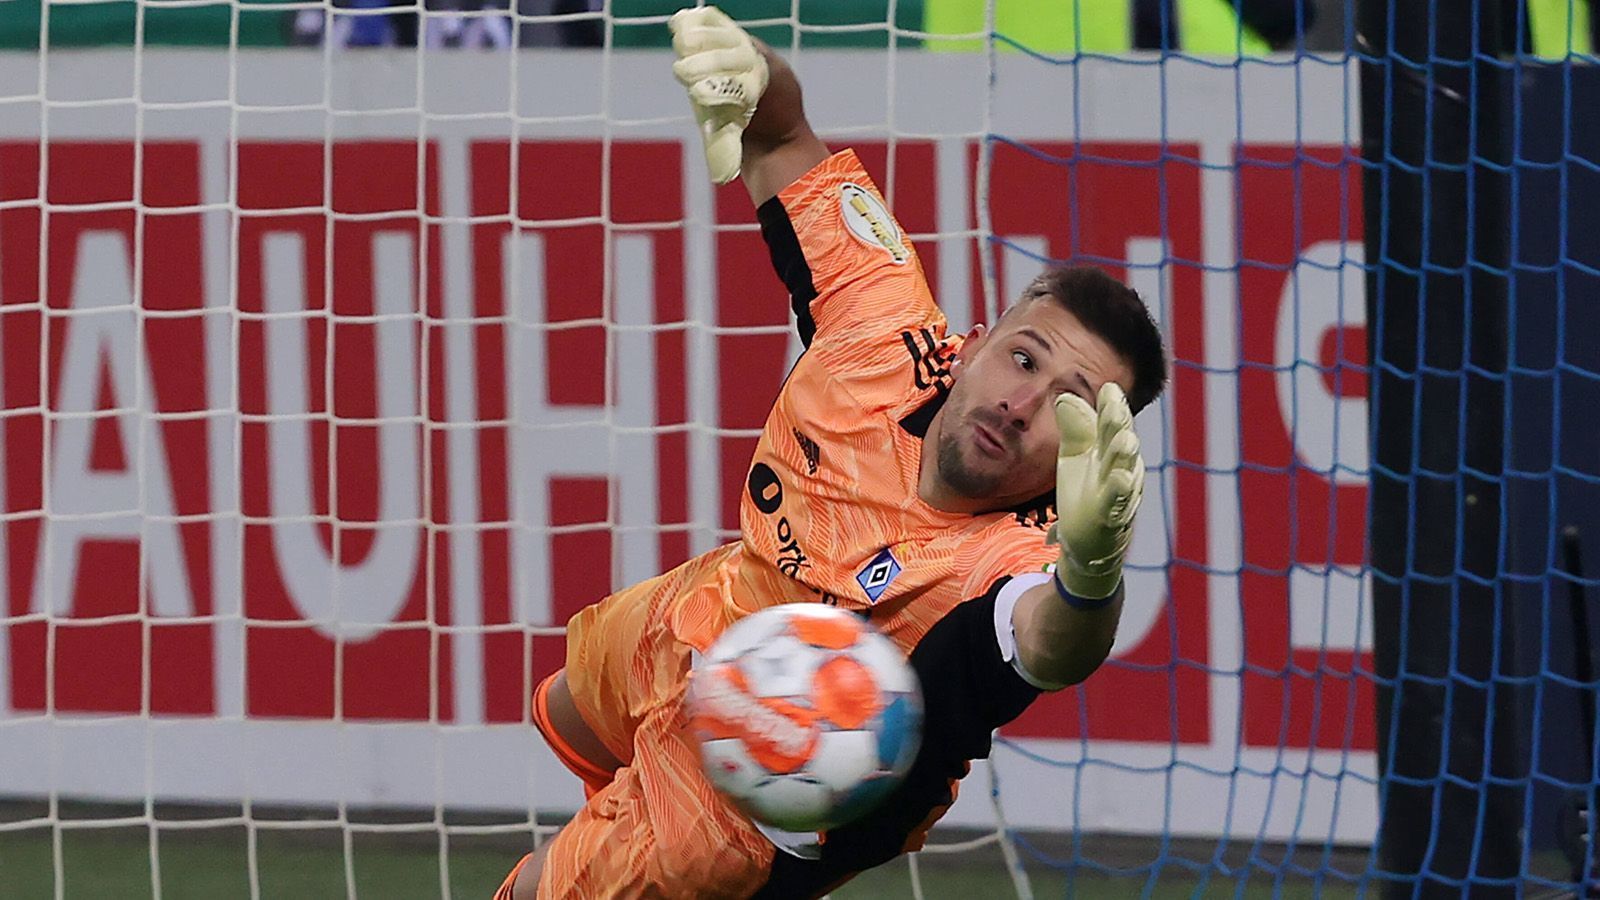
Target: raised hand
x=1099, y=483
x=725, y=75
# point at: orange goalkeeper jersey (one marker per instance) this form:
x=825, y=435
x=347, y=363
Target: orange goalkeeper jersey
x=830, y=512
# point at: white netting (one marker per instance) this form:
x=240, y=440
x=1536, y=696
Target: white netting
x=335, y=378
x=281, y=468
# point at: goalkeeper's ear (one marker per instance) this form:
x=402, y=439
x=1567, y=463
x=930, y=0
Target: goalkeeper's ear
x=970, y=346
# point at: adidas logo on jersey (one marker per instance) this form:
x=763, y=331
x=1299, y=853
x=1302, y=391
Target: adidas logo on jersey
x=809, y=448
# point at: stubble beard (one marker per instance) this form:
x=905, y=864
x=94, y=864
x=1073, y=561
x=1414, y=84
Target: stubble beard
x=960, y=477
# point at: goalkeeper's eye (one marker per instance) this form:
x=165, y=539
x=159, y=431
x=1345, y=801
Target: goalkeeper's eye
x=1023, y=360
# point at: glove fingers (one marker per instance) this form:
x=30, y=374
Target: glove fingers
x=690, y=41
x=719, y=97
x=1124, y=508
x=697, y=17
x=1074, y=480
x=1120, y=454
x=704, y=40
x=702, y=27
x=1075, y=420
x=727, y=62
x=1113, y=412
x=724, y=150
x=1119, y=493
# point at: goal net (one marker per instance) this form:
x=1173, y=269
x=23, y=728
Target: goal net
x=334, y=379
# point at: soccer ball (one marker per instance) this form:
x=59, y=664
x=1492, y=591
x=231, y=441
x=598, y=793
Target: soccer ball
x=806, y=716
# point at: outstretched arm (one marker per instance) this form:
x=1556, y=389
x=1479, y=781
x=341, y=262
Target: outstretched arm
x=779, y=145
x=747, y=102
x=976, y=673
x=1065, y=627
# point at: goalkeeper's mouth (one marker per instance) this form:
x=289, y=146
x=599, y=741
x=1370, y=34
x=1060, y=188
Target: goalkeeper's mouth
x=989, y=443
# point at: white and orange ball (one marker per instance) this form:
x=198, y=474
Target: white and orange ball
x=806, y=716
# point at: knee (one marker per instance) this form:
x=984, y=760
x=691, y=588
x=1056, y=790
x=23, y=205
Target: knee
x=574, y=730
x=523, y=882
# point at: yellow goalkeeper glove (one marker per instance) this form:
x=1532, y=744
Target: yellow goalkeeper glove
x=1099, y=482
x=725, y=75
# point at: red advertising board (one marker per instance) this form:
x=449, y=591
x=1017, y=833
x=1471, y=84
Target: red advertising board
x=332, y=346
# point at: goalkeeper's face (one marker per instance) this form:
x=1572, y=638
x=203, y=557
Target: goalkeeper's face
x=997, y=435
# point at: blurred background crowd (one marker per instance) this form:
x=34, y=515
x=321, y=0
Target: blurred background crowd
x=1200, y=27
x=1048, y=26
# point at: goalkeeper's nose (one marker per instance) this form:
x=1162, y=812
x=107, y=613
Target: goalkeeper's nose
x=1023, y=406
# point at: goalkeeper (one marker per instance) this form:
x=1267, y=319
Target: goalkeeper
x=908, y=475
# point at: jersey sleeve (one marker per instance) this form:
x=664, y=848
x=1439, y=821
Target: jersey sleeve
x=842, y=255
x=969, y=689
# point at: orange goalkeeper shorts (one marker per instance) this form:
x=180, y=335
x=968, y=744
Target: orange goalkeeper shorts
x=657, y=828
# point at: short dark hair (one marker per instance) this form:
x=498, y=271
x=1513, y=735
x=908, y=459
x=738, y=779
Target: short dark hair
x=1117, y=315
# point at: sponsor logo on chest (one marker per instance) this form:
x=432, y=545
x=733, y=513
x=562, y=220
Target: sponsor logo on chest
x=766, y=492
